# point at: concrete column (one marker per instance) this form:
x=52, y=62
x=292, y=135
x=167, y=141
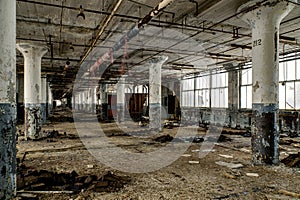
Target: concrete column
x=155, y=92
x=20, y=98
x=8, y=163
x=44, y=99
x=233, y=94
x=85, y=100
x=93, y=99
x=264, y=22
x=32, y=82
x=103, y=102
x=49, y=99
x=121, y=100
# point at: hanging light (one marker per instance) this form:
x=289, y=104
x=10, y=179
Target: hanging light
x=81, y=14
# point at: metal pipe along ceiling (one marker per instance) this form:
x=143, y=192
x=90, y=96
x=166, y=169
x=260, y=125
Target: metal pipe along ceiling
x=106, y=23
x=130, y=34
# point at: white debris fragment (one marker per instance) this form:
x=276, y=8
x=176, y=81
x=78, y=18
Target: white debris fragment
x=193, y=162
x=186, y=155
x=229, y=165
x=252, y=174
x=225, y=156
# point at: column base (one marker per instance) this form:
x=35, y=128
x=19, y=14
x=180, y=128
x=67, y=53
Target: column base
x=120, y=113
x=33, y=120
x=265, y=136
x=8, y=163
x=155, y=117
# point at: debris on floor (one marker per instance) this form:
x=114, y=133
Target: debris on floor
x=292, y=160
x=229, y=165
x=42, y=180
x=164, y=138
x=252, y=174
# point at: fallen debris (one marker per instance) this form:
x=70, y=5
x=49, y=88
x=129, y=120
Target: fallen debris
x=292, y=160
x=225, y=156
x=288, y=193
x=252, y=174
x=164, y=138
x=227, y=175
x=229, y=165
x=194, y=162
x=47, y=182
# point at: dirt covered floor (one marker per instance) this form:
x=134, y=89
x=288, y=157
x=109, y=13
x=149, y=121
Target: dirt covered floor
x=60, y=167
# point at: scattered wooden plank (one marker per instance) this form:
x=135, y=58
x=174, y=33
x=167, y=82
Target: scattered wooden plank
x=292, y=160
x=288, y=193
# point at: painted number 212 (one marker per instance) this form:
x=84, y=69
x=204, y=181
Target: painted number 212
x=256, y=42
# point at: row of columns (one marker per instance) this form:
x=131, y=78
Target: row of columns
x=84, y=99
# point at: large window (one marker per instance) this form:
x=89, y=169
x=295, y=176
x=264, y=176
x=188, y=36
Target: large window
x=219, y=90
x=246, y=88
x=188, y=96
x=204, y=89
x=289, y=82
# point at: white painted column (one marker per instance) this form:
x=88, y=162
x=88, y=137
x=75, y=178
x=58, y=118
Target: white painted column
x=8, y=163
x=155, y=92
x=121, y=100
x=32, y=92
x=49, y=98
x=94, y=99
x=44, y=99
x=264, y=22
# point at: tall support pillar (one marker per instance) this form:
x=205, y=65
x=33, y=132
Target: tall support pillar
x=49, y=99
x=233, y=94
x=32, y=92
x=155, y=92
x=44, y=99
x=264, y=22
x=8, y=150
x=121, y=100
x=94, y=101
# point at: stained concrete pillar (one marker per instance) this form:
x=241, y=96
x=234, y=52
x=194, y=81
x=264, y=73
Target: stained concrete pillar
x=155, y=92
x=8, y=163
x=32, y=92
x=44, y=99
x=103, y=102
x=121, y=100
x=264, y=22
x=20, y=98
x=233, y=94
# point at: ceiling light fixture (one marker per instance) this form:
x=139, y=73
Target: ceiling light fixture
x=81, y=14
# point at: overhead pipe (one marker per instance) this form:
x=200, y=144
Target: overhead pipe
x=130, y=34
x=101, y=30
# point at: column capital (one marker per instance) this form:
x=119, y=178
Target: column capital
x=27, y=48
x=272, y=11
x=158, y=59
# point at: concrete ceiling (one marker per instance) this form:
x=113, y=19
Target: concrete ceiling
x=196, y=35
